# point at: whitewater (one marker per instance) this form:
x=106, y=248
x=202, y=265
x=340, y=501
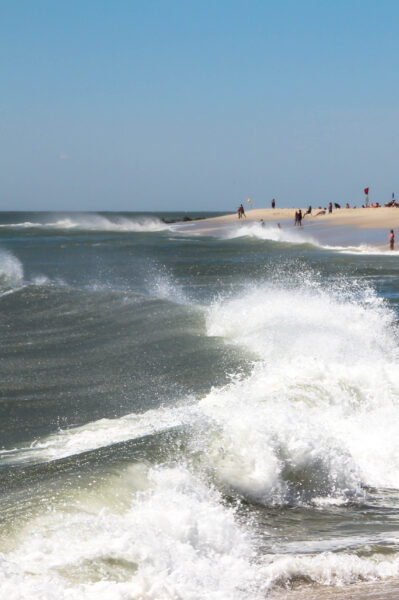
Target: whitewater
x=194, y=416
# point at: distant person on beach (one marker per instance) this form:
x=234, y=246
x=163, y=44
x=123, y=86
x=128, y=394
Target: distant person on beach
x=337, y=205
x=347, y=205
x=300, y=218
x=273, y=203
x=330, y=207
x=241, y=212
x=262, y=222
x=391, y=240
x=296, y=218
x=308, y=212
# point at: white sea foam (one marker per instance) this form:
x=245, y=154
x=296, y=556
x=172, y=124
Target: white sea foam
x=318, y=416
x=363, y=249
x=147, y=534
x=328, y=568
x=174, y=539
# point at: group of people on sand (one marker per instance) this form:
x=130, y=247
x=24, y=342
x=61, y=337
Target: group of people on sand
x=299, y=216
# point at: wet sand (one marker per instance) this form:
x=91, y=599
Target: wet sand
x=381, y=590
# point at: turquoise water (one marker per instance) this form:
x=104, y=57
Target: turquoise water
x=194, y=416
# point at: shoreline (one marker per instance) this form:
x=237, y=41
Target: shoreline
x=361, y=590
x=346, y=228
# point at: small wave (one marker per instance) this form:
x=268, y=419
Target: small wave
x=98, y=434
x=329, y=569
x=363, y=249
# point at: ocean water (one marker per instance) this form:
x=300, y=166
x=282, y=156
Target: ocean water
x=191, y=417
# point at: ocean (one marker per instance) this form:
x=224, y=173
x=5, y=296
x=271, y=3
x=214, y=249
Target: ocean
x=191, y=417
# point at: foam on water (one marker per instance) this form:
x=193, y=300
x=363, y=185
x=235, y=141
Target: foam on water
x=174, y=539
x=313, y=424
x=156, y=533
x=363, y=249
x=328, y=568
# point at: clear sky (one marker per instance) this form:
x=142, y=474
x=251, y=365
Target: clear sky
x=183, y=105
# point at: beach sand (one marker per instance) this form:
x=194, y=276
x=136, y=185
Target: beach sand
x=362, y=218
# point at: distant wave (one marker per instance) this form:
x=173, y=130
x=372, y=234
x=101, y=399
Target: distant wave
x=363, y=249
x=96, y=223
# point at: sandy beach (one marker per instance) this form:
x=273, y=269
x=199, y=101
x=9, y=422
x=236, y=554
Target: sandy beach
x=361, y=218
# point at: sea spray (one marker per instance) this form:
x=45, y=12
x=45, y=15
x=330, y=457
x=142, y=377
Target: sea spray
x=95, y=222
x=312, y=420
x=11, y=271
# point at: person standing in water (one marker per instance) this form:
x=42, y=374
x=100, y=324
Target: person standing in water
x=273, y=203
x=391, y=240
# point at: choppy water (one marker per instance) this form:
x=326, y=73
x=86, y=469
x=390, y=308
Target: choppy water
x=194, y=417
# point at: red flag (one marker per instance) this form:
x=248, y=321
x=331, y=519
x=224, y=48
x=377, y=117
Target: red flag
x=366, y=191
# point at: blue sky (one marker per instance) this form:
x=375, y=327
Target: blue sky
x=166, y=105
